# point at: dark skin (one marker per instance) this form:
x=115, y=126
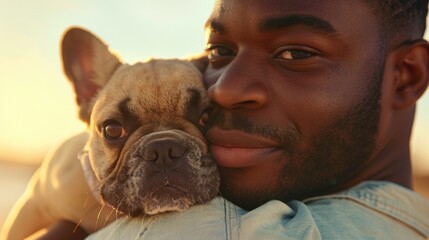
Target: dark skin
x=308, y=99
x=307, y=69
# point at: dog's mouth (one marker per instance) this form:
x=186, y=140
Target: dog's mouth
x=154, y=191
x=168, y=185
x=167, y=198
x=170, y=189
x=153, y=197
x=163, y=174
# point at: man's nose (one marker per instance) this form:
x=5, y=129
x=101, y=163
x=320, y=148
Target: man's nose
x=241, y=85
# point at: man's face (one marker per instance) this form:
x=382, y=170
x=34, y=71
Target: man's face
x=297, y=88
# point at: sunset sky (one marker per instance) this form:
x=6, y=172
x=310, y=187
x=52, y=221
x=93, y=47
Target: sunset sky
x=37, y=107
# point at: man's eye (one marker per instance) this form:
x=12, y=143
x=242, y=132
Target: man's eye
x=219, y=51
x=295, y=54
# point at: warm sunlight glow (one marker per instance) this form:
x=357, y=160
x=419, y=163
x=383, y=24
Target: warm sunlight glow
x=37, y=104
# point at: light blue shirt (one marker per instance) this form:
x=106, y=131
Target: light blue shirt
x=371, y=210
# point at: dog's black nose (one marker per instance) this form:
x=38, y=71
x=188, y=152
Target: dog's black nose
x=163, y=151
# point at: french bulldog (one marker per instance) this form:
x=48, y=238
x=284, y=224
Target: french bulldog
x=145, y=145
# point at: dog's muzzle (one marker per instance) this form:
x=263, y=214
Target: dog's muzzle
x=163, y=171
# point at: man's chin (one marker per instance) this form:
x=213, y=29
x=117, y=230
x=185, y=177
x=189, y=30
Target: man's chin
x=243, y=195
x=244, y=200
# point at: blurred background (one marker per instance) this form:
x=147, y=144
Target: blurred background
x=37, y=106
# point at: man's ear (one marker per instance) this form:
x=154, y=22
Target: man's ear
x=88, y=64
x=412, y=74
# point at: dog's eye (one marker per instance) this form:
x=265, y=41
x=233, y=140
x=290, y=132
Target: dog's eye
x=113, y=130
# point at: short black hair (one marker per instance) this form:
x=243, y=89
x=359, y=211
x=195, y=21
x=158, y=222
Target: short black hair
x=405, y=19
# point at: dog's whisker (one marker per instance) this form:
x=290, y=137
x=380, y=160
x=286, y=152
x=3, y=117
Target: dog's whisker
x=98, y=215
x=117, y=208
x=87, y=210
x=86, y=200
x=108, y=216
x=77, y=225
x=116, y=213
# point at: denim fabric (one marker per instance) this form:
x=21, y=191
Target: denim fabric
x=371, y=210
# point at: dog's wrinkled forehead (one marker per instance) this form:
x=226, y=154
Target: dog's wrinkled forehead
x=159, y=88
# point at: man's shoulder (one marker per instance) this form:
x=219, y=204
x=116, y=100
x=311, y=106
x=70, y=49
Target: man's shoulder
x=375, y=208
x=371, y=210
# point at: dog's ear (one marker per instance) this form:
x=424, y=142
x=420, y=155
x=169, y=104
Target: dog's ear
x=88, y=64
x=200, y=61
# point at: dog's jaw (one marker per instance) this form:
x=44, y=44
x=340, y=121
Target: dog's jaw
x=165, y=203
x=149, y=186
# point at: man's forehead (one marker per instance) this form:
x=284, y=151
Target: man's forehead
x=223, y=5
x=268, y=14
x=279, y=22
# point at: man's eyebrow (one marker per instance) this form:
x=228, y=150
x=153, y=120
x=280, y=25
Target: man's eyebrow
x=277, y=23
x=215, y=26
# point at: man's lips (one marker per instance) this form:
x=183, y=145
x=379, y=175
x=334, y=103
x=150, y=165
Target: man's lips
x=236, y=149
